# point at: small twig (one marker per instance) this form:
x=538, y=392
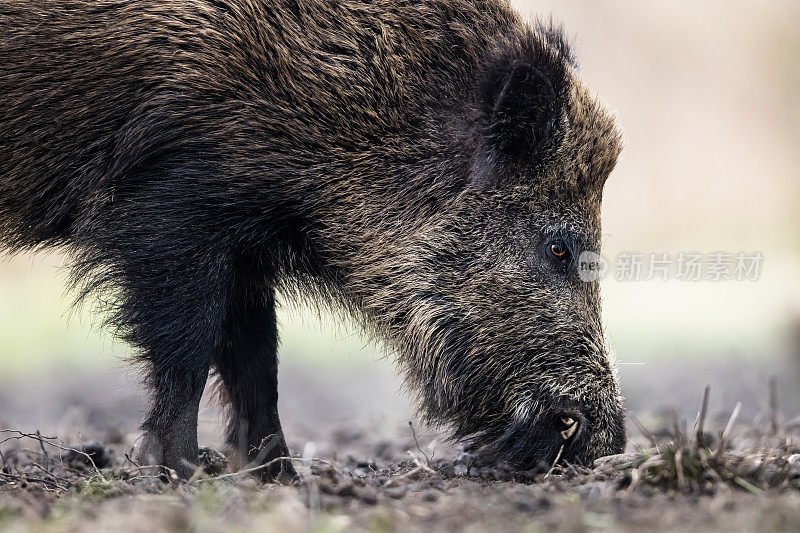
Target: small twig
x=248, y=470
x=416, y=442
x=18, y=435
x=700, y=440
x=553, y=466
x=263, y=466
x=134, y=463
x=571, y=467
x=29, y=479
x=420, y=465
x=41, y=445
x=728, y=428
x=264, y=447
x=408, y=474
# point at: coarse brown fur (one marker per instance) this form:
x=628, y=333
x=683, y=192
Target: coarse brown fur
x=414, y=162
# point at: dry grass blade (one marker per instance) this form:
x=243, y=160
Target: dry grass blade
x=773, y=406
x=700, y=440
x=690, y=466
x=726, y=432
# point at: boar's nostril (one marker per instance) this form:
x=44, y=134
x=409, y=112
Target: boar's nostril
x=569, y=426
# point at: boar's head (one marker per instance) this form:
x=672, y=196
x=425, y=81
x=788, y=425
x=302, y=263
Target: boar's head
x=498, y=331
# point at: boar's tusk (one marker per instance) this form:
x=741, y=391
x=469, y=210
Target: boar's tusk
x=571, y=427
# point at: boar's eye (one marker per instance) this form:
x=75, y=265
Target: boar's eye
x=559, y=250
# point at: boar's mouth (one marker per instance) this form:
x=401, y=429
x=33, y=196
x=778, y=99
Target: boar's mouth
x=525, y=445
x=555, y=435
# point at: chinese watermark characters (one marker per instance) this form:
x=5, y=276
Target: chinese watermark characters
x=683, y=266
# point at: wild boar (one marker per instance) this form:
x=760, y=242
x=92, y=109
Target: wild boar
x=434, y=167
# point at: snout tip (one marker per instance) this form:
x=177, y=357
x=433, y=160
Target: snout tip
x=567, y=434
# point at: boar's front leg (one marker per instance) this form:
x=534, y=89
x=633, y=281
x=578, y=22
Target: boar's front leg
x=173, y=310
x=247, y=364
x=188, y=317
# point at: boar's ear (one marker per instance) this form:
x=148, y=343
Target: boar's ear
x=521, y=110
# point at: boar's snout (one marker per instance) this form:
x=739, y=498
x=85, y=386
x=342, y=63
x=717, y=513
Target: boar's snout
x=565, y=431
x=585, y=433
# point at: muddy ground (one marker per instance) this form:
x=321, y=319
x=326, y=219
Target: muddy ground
x=362, y=468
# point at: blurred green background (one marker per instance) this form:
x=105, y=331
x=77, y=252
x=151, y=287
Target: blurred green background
x=707, y=93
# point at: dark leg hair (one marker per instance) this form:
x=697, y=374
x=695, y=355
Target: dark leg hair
x=171, y=297
x=178, y=335
x=247, y=364
x=176, y=319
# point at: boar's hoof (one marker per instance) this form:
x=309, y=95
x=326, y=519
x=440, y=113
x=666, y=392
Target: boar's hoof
x=213, y=461
x=281, y=471
x=152, y=451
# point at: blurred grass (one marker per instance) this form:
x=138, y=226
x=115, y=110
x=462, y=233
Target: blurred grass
x=36, y=330
x=39, y=330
